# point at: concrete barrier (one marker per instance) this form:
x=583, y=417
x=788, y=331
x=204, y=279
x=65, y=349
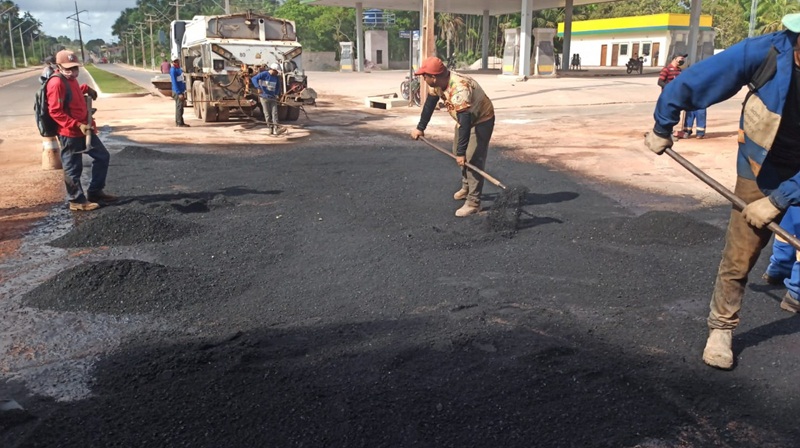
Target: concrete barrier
x=51, y=154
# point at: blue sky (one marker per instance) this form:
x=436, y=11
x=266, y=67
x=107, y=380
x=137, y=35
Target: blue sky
x=100, y=15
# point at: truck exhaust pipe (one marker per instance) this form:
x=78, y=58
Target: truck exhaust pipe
x=262, y=29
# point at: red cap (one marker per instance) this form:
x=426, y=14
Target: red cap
x=431, y=66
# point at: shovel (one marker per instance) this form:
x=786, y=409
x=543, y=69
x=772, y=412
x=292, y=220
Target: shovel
x=468, y=165
x=735, y=200
x=89, y=119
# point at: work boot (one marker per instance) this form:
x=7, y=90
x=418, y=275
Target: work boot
x=718, y=352
x=101, y=196
x=461, y=194
x=770, y=280
x=182, y=125
x=84, y=206
x=467, y=209
x=790, y=304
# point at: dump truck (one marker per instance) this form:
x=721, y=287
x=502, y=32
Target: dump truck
x=219, y=54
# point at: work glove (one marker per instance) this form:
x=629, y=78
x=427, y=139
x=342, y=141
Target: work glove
x=86, y=128
x=657, y=143
x=181, y=97
x=760, y=213
x=91, y=92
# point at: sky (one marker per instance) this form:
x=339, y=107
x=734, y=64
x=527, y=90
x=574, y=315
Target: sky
x=96, y=22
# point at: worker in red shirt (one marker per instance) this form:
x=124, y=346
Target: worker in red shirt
x=70, y=114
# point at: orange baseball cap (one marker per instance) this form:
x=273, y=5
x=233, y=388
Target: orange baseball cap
x=431, y=66
x=67, y=59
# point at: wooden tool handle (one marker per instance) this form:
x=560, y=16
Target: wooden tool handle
x=735, y=200
x=486, y=175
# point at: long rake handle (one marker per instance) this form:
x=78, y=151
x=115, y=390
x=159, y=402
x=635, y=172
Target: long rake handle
x=469, y=165
x=735, y=200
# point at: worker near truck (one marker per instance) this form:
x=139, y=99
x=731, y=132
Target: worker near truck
x=178, y=91
x=768, y=161
x=71, y=120
x=473, y=112
x=268, y=83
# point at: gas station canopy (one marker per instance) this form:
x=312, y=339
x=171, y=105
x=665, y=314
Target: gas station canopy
x=477, y=7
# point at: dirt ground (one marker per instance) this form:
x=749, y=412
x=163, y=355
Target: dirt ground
x=316, y=290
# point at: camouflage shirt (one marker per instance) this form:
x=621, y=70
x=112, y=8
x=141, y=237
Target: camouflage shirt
x=464, y=94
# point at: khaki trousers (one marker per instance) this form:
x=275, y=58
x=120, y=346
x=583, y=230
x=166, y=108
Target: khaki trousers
x=743, y=245
x=477, y=151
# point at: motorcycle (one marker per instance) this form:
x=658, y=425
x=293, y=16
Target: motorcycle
x=635, y=65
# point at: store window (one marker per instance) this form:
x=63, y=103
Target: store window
x=646, y=49
x=623, y=49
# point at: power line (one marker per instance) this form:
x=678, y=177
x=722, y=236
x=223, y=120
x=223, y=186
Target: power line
x=77, y=19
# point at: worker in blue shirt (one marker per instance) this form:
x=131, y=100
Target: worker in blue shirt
x=768, y=161
x=268, y=83
x=178, y=91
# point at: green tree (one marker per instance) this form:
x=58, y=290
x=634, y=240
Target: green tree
x=449, y=25
x=771, y=12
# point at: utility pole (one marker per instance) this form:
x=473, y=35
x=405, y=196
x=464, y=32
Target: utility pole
x=11, y=40
x=227, y=6
x=150, y=20
x=132, y=40
x=753, y=14
x=141, y=39
x=177, y=9
x=77, y=19
x=22, y=44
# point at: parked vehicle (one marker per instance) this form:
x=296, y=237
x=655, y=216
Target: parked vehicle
x=219, y=55
x=635, y=65
x=410, y=88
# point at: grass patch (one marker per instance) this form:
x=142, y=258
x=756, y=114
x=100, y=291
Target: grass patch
x=110, y=83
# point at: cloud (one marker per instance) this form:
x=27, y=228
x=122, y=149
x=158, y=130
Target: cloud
x=96, y=21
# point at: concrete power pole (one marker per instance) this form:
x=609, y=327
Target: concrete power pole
x=77, y=19
x=141, y=39
x=177, y=9
x=150, y=20
x=11, y=40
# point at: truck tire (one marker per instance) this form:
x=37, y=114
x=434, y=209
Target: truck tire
x=293, y=113
x=282, y=111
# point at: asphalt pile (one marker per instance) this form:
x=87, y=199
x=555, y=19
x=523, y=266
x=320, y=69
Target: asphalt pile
x=124, y=227
x=123, y=287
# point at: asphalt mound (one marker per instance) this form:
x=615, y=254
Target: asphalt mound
x=119, y=227
x=664, y=227
x=120, y=287
x=145, y=153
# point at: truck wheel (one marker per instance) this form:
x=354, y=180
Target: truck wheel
x=282, y=111
x=223, y=114
x=292, y=114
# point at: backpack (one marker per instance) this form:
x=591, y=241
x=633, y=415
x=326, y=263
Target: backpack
x=47, y=126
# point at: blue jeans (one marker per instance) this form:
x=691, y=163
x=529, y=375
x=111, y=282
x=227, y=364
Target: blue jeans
x=73, y=166
x=783, y=262
x=691, y=117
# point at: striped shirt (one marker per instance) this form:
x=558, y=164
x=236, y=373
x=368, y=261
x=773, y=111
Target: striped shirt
x=667, y=74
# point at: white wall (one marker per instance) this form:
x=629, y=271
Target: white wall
x=590, y=49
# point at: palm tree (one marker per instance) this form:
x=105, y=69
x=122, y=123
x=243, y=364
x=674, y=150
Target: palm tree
x=449, y=25
x=770, y=14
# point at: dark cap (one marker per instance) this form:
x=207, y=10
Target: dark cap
x=679, y=55
x=431, y=66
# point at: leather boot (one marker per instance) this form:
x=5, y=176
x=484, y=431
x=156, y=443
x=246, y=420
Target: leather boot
x=718, y=352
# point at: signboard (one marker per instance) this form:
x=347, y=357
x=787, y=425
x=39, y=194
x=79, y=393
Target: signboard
x=416, y=34
x=405, y=34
